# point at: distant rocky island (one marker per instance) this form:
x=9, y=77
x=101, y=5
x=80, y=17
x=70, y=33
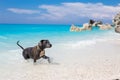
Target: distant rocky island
x=102, y=26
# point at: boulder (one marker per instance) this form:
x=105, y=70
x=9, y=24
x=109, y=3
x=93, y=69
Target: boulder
x=116, y=23
x=72, y=28
x=117, y=29
x=105, y=26
x=96, y=23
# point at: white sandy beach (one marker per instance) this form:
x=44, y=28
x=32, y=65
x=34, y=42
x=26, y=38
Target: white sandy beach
x=100, y=61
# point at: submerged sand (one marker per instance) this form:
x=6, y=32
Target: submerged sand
x=100, y=61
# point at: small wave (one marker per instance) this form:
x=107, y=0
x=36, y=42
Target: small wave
x=78, y=44
x=17, y=50
x=3, y=37
x=84, y=43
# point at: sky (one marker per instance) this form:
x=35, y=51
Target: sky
x=57, y=11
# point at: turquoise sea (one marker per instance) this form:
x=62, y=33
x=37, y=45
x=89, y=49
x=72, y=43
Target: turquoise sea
x=31, y=34
x=71, y=52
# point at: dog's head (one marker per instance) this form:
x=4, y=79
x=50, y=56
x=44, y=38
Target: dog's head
x=45, y=44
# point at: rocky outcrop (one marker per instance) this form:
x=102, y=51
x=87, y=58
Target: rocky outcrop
x=116, y=23
x=104, y=26
x=117, y=29
x=74, y=28
x=86, y=26
x=90, y=25
x=96, y=23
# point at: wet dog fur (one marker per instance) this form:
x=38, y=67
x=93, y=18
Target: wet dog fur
x=37, y=51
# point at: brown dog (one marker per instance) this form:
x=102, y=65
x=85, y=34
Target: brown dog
x=36, y=52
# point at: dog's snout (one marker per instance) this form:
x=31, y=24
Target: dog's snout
x=50, y=45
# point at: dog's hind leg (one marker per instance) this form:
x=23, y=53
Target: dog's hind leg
x=34, y=59
x=25, y=55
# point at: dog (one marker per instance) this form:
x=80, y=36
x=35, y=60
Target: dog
x=37, y=51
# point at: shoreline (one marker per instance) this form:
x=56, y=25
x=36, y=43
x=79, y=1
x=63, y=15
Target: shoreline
x=97, y=62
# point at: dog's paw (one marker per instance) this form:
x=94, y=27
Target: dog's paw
x=50, y=60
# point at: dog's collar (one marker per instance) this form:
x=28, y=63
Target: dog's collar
x=38, y=48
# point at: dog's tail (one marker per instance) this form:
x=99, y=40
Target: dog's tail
x=20, y=45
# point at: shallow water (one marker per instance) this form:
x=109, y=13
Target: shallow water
x=31, y=34
x=75, y=55
x=58, y=35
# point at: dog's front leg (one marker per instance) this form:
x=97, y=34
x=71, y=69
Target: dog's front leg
x=46, y=57
x=34, y=59
x=36, y=56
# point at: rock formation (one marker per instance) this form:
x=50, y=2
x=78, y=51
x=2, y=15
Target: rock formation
x=116, y=23
x=90, y=25
x=86, y=26
x=104, y=26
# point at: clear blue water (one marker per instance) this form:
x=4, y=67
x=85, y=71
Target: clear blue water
x=31, y=34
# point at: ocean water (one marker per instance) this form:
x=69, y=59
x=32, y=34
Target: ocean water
x=31, y=34
x=68, y=48
x=59, y=35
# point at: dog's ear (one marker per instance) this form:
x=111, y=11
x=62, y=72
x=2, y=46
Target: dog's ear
x=41, y=41
x=39, y=44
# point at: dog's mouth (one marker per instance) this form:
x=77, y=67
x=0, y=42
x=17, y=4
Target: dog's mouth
x=49, y=46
